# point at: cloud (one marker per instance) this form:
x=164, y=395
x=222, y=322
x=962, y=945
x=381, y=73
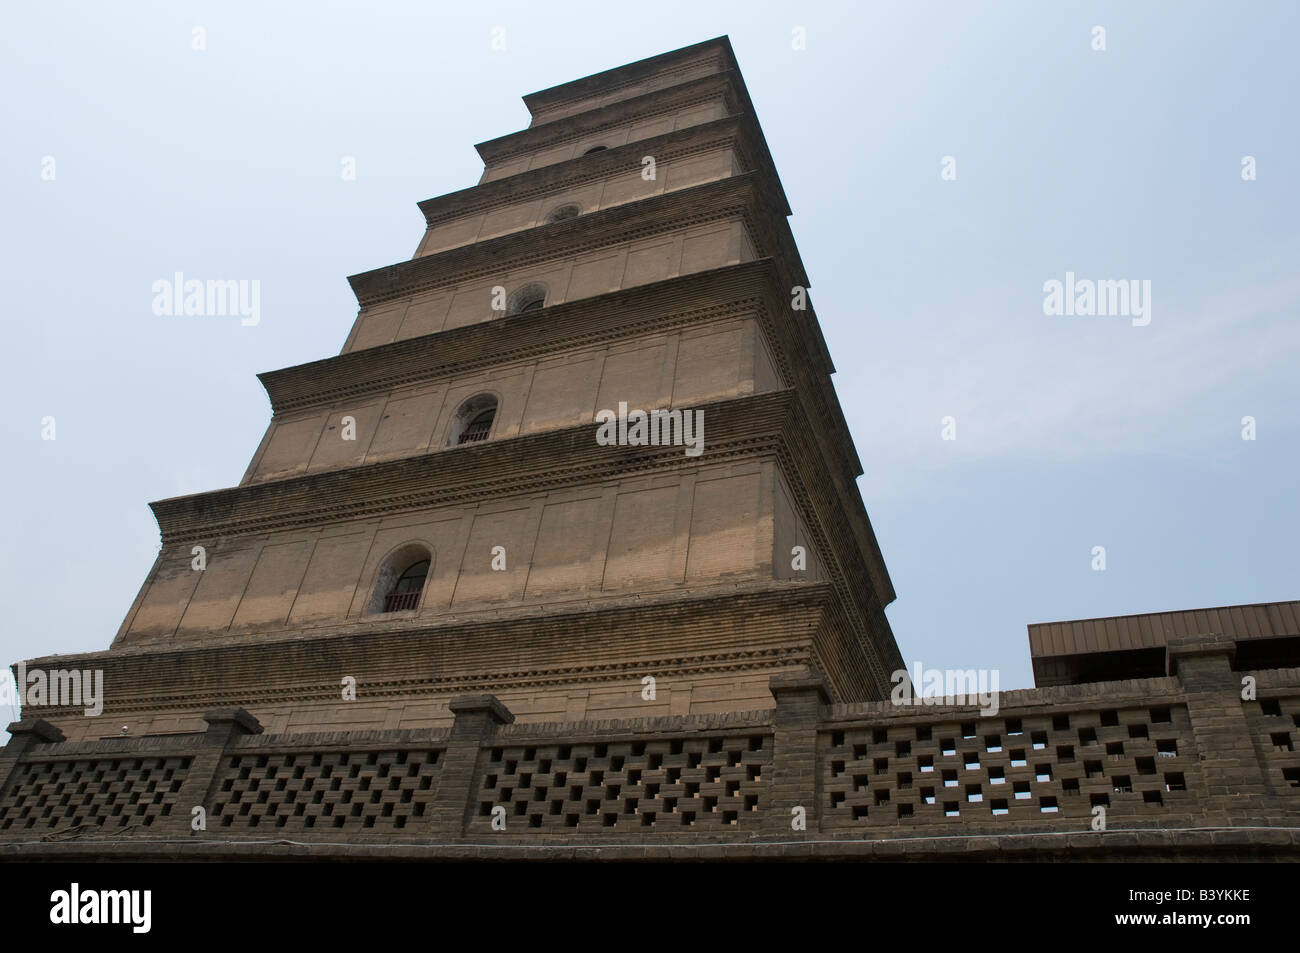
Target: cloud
x=1069, y=388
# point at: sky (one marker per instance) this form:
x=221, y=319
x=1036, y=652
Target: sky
x=128, y=155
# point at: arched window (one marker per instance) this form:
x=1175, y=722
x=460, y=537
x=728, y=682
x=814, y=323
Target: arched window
x=478, y=428
x=406, y=592
x=563, y=213
x=530, y=297
x=401, y=578
x=595, y=149
x=473, y=420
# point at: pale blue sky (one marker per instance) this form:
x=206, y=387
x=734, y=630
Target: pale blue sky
x=1072, y=432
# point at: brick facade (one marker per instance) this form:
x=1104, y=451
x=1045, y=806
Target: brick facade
x=1182, y=765
x=613, y=652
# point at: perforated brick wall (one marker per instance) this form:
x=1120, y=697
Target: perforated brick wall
x=359, y=790
x=1275, y=724
x=1161, y=761
x=1139, y=761
x=112, y=794
x=695, y=784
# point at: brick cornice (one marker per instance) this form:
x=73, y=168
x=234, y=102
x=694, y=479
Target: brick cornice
x=729, y=82
x=647, y=308
x=842, y=534
x=717, y=49
x=773, y=423
x=751, y=287
x=798, y=348
x=530, y=463
x=672, y=211
x=580, y=125
x=454, y=656
x=737, y=131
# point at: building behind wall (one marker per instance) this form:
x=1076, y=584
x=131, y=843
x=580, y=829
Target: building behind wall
x=628, y=249
x=587, y=642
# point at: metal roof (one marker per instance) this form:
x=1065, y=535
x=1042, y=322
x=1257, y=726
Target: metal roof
x=1262, y=620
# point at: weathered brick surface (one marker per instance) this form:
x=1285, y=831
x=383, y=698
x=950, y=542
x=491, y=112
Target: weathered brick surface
x=668, y=291
x=875, y=780
x=684, y=688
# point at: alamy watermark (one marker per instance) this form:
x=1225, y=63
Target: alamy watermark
x=951, y=686
x=38, y=687
x=212, y=298
x=658, y=428
x=1104, y=297
x=79, y=905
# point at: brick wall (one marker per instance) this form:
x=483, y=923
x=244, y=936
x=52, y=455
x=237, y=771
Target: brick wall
x=711, y=526
x=1181, y=765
